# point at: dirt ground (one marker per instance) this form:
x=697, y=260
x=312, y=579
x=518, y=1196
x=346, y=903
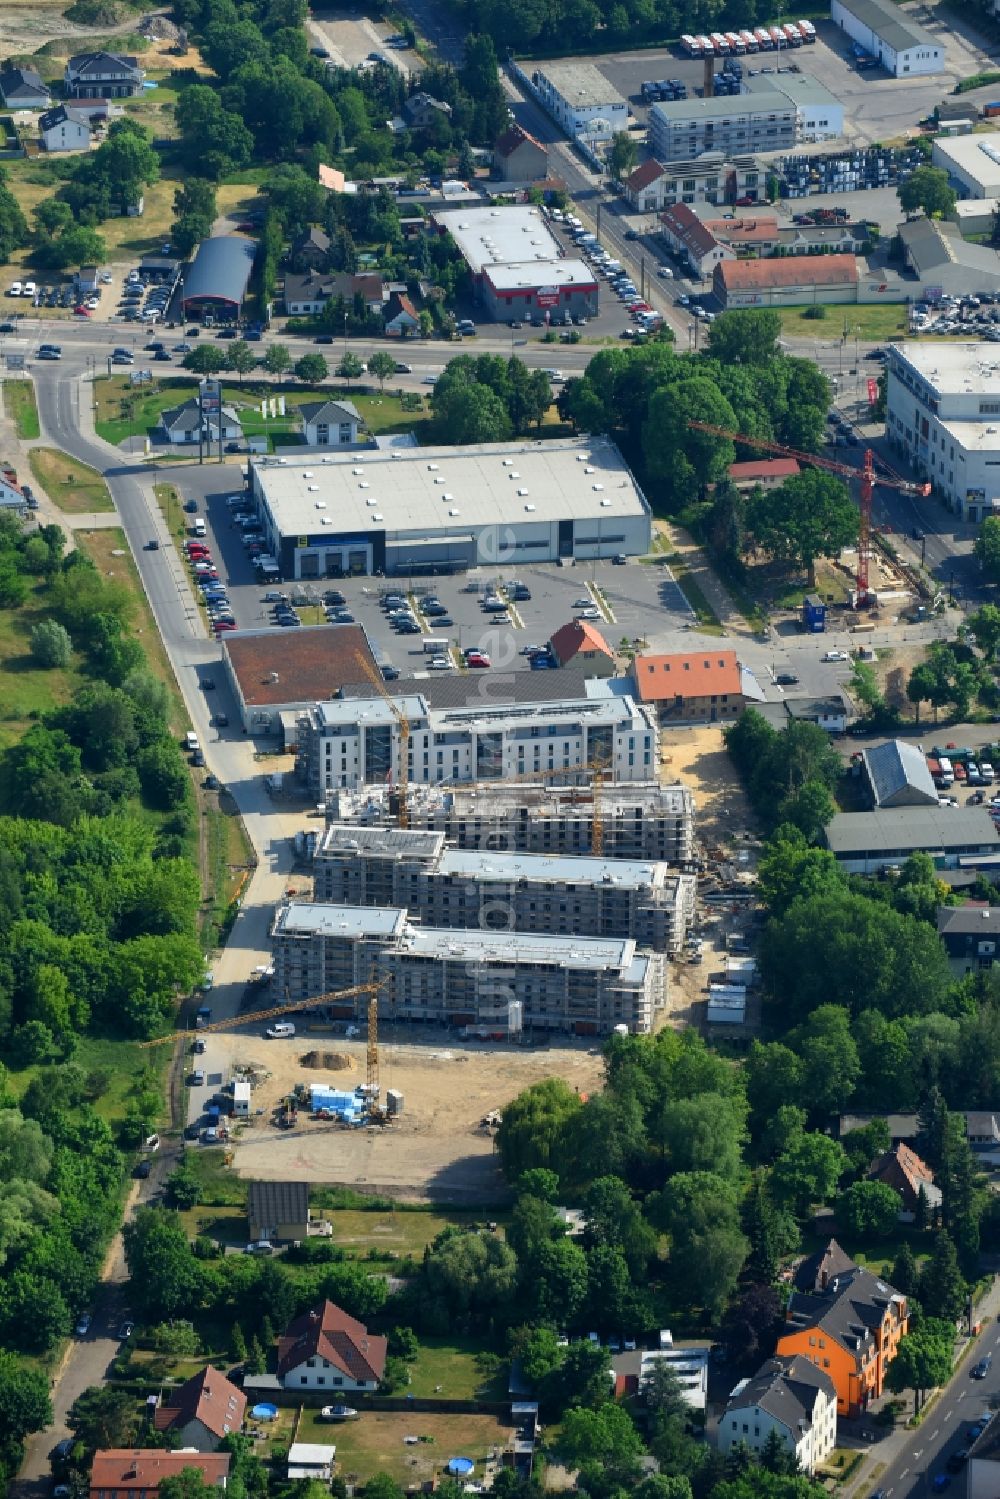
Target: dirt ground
x=438, y=1149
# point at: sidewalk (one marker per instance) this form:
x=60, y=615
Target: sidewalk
x=700, y=570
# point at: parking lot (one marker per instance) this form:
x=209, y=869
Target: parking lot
x=876, y=107
x=634, y=602
x=349, y=38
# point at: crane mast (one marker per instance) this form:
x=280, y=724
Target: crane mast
x=866, y=488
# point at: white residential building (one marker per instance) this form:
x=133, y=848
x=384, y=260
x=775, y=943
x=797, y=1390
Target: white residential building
x=63, y=129
x=683, y=129
x=352, y=741
x=329, y=424
x=581, y=100
x=790, y=1396
x=903, y=47
x=943, y=412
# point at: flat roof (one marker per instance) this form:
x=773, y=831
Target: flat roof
x=952, y=368
x=974, y=437
x=370, y=710
x=316, y=919
x=521, y=947
x=423, y=491
x=801, y=88
x=540, y=273
x=721, y=107
x=973, y=154
x=581, y=84
x=296, y=666
x=890, y=23
x=488, y=236
x=484, y=867
x=392, y=842
x=898, y=829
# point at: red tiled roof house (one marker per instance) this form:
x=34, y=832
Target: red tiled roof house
x=693, y=687
x=325, y=1349
x=137, y=1472
x=203, y=1411
x=579, y=641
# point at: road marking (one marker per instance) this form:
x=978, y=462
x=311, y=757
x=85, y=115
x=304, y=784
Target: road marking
x=933, y=1435
x=904, y=1472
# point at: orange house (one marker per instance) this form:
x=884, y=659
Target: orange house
x=847, y=1322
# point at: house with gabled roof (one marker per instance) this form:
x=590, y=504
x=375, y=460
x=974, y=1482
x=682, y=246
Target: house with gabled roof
x=137, y=1472
x=327, y=1350
x=401, y=317
x=789, y=1396
x=22, y=88
x=329, y=424
x=518, y=157
x=102, y=75
x=206, y=1408
x=578, y=640
x=845, y=1321
x=902, y=1169
x=691, y=686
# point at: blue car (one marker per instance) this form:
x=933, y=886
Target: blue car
x=941, y=1482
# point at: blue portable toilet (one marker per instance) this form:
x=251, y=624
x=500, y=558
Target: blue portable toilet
x=813, y=614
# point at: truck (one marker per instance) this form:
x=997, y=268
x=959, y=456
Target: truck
x=808, y=31
x=947, y=771
x=198, y=527
x=435, y=646
x=793, y=34
x=273, y=782
x=203, y=1017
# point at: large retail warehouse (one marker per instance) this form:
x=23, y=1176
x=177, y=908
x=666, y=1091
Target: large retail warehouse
x=437, y=510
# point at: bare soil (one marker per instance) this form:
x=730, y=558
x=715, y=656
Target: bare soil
x=438, y=1149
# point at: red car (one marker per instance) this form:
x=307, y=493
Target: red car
x=477, y=659
x=82, y=311
x=222, y=625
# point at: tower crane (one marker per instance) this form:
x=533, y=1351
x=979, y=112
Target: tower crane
x=374, y=676
x=867, y=477
x=291, y=1008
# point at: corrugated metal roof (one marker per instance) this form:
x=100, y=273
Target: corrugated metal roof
x=898, y=774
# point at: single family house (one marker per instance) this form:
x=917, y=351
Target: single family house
x=789, y=1396
x=325, y=1349
x=184, y=424
x=206, y=1408
x=64, y=129
x=278, y=1211
x=329, y=424
x=102, y=75
x=137, y=1472
x=22, y=88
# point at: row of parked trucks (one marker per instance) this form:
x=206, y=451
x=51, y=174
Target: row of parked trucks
x=760, y=39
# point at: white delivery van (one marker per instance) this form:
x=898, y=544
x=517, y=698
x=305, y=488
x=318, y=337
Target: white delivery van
x=198, y=528
x=280, y=1030
x=191, y=741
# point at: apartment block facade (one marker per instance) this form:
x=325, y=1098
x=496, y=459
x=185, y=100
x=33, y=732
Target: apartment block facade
x=351, y=742
x=446, y=887
x=735, y=124
x=446, y=976
x=639, y=820
x=943, y=412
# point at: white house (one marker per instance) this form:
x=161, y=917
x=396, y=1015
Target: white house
x=329, y=424
x=325, y=1349
x=63, y=129
x=182, y=423
x=790, y=1396
x=903, y=47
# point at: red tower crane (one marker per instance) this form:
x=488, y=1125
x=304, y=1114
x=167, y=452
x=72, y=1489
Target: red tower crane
x=866, y=475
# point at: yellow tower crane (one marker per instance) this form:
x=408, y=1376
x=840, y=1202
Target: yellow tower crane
x=291, y=1008
x=374, y=676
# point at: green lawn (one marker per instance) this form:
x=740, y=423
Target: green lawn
x=27, y=690
x=402, y=1232
x=375, y=1442
x=871, y=324
x=19, y=403
x=75, y=488
x=385, y=413
x=219, y=1186
x=449, y=1367
x=878, y=1257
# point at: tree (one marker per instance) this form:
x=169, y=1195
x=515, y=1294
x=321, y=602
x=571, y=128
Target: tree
x=582, y=1378
x=205, y=359
x=24, y=1404
x=808, y=1172
x=534, y=1125
x=103, y=1417
x=187, y=1484
x=350, y=367
x=927, y=188
x=183, y=1189
x=942, y=1291
x=623, y=155
x=745, y=338
x=605, y=1436
x=830, y=1062
x=311, y=369
x=707, y=1247
x=810, y=515
x=50, y=643
x=194, y=214
x=986, y=548
x=277, y=359
x=984, y=628
x=165, y=1278
x=868, y=1210
x=75, y=245
x=381, y=365
x=922, y=1362
x=240, y=357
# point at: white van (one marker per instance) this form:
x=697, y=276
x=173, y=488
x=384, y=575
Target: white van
x=198, y=528
x=191, y=741
x=280, y=1031
x=435, y=647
